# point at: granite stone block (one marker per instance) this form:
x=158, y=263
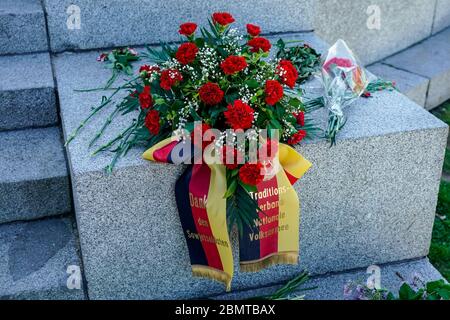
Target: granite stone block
x=331, y=287
x=442, y=15
x=34, y=180
x=22, y=27
x=107, y=23
x=411, y=85
x=27, y=92
x=34, y=259
x=430, y=59
x=402, y=23
x=371, y=199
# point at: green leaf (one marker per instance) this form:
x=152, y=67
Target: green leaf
x=231, y=189
x=281, y=45
x=276, y=124
x=390, y=296
x=216, y=111
x=160, y=101
x=295, y=102
x=434, y=285
x=230, y=98
x=252, y=83
x=406, y=292
x=444, y=293
x=433, y=297
x=247, y=187
x=200, y=42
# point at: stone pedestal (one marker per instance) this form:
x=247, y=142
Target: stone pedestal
x=370, y=199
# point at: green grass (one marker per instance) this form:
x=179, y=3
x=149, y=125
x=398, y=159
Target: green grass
x=447, y=161
x=440, y=243
x=443, y=112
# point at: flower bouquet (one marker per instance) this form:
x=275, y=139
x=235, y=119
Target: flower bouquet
x=344, y=80
x=220, y=104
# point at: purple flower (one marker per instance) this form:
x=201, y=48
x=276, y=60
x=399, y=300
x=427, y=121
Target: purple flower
x=348, y=290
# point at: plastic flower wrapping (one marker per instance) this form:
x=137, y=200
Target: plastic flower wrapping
x=344, y=80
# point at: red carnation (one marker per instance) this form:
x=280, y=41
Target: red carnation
x=211, y=94
x=273, y=91
x=170, y=78
x=253, y=30
x=145, y=98
x=231, y=157
x=259, y=43
x=251, y=173
x=287, y=72
x=145, y=71
x=152, y=122
x=297, y=137
x=222, y=18
x=300, y=117
x=187, y=29
x=233, y=64
x=239, y=115
x=199, y=131
x=149, y=69
x=186, y=53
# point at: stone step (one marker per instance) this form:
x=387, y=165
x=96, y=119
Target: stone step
x=104, y=24
x=331, y=287
x=34, y=180
x=411, y=85
x=22, y=25
x=108, y=24
x=36, y=258
x=377, y=29
x=428, y=59
x=442, y=16
x=27, y=92
x=370, y=199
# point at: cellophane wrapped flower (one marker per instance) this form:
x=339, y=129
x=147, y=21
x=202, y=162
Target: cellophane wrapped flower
x=344, y=80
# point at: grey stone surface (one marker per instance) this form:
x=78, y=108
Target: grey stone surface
x=22, y=27
x=33, y=175
x=430, y=59
x=34, y=257
x=411, y=85
x=27, y=92
x=371, y=199
x=107, y=23
x=442, y=15
x=331, y=287
x=403, y=23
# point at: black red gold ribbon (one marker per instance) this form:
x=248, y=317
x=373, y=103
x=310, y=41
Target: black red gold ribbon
x=199, y=192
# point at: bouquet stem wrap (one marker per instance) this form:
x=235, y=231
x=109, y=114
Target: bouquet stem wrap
x=274, y=237
x=344, y=80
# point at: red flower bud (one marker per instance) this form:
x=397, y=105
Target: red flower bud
x=187, y=29
x=253, y=30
